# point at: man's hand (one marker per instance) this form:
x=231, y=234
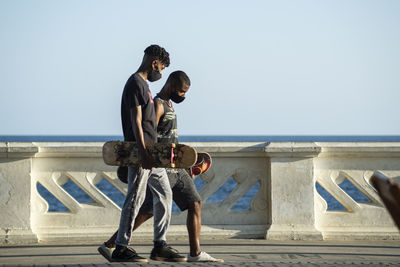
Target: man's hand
x=147, y=160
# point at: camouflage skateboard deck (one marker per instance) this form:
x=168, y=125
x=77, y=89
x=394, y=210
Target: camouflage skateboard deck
x=118, y=153
x=202, y=164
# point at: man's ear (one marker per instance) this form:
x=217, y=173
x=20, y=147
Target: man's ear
x=154, y=64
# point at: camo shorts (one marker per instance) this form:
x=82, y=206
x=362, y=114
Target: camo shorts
x=184, y=192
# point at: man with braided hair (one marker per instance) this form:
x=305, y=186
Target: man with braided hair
x=139, y=125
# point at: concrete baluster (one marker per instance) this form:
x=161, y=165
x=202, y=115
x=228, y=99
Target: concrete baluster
x=292, y=190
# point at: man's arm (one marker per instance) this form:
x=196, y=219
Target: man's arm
x=159, y=110
x=136, y=117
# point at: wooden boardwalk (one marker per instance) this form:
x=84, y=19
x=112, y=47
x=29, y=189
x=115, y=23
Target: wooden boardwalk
x=235, y=252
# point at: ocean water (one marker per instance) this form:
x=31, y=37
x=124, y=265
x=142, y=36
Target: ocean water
x=242, y=204
x=209, y=138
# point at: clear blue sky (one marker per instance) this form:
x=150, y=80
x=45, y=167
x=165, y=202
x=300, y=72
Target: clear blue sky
x=257, y=67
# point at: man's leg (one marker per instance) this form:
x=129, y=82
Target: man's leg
x=137, y=181
x=193, y=224
x=162, y=202
x=145, y=213
x=140, y=219
x=187, y=198
x=162, y=205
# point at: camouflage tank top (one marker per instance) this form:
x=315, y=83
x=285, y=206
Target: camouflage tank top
x=167, y=131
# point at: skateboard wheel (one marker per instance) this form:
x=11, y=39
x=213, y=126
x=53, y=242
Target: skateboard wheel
x=196, y=170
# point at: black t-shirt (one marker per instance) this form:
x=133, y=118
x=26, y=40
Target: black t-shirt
x=137, y=93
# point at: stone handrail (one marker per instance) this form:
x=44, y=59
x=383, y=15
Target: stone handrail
x=286, y=205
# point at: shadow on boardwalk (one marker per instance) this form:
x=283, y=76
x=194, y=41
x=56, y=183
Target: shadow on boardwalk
x=235, y=252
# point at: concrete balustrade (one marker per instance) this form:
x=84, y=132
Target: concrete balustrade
x=287, y=205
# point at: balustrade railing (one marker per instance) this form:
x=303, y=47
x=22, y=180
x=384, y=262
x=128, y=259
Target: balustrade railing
x=286, y=188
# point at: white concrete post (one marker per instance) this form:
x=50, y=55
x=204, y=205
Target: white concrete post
x=292, y=190
x=15, y=193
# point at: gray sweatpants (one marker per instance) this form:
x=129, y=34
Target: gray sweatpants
x=157, y=180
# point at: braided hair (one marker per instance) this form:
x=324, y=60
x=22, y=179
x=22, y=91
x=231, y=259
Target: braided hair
x=159, y=53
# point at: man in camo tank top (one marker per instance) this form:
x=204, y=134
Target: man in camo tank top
x=184, y=191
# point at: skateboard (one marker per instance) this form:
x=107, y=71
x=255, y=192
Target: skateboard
x=202, y=164
x=118, y=153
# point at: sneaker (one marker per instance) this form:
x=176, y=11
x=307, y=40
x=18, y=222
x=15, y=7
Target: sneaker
x=203, y=257
x=106, y=252
x=127, y=254
x=166, y=253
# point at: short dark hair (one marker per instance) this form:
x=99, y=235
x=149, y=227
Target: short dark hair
x=157, y=52
x=179, y=79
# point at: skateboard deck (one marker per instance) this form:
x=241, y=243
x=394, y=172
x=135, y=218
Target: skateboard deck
x=118, y=153
x=202, y=164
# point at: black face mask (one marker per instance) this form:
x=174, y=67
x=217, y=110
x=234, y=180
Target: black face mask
x=154, y=75
x=177, y=98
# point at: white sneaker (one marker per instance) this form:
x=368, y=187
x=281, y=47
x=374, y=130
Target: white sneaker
x=106, y=252
x=203, y=257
